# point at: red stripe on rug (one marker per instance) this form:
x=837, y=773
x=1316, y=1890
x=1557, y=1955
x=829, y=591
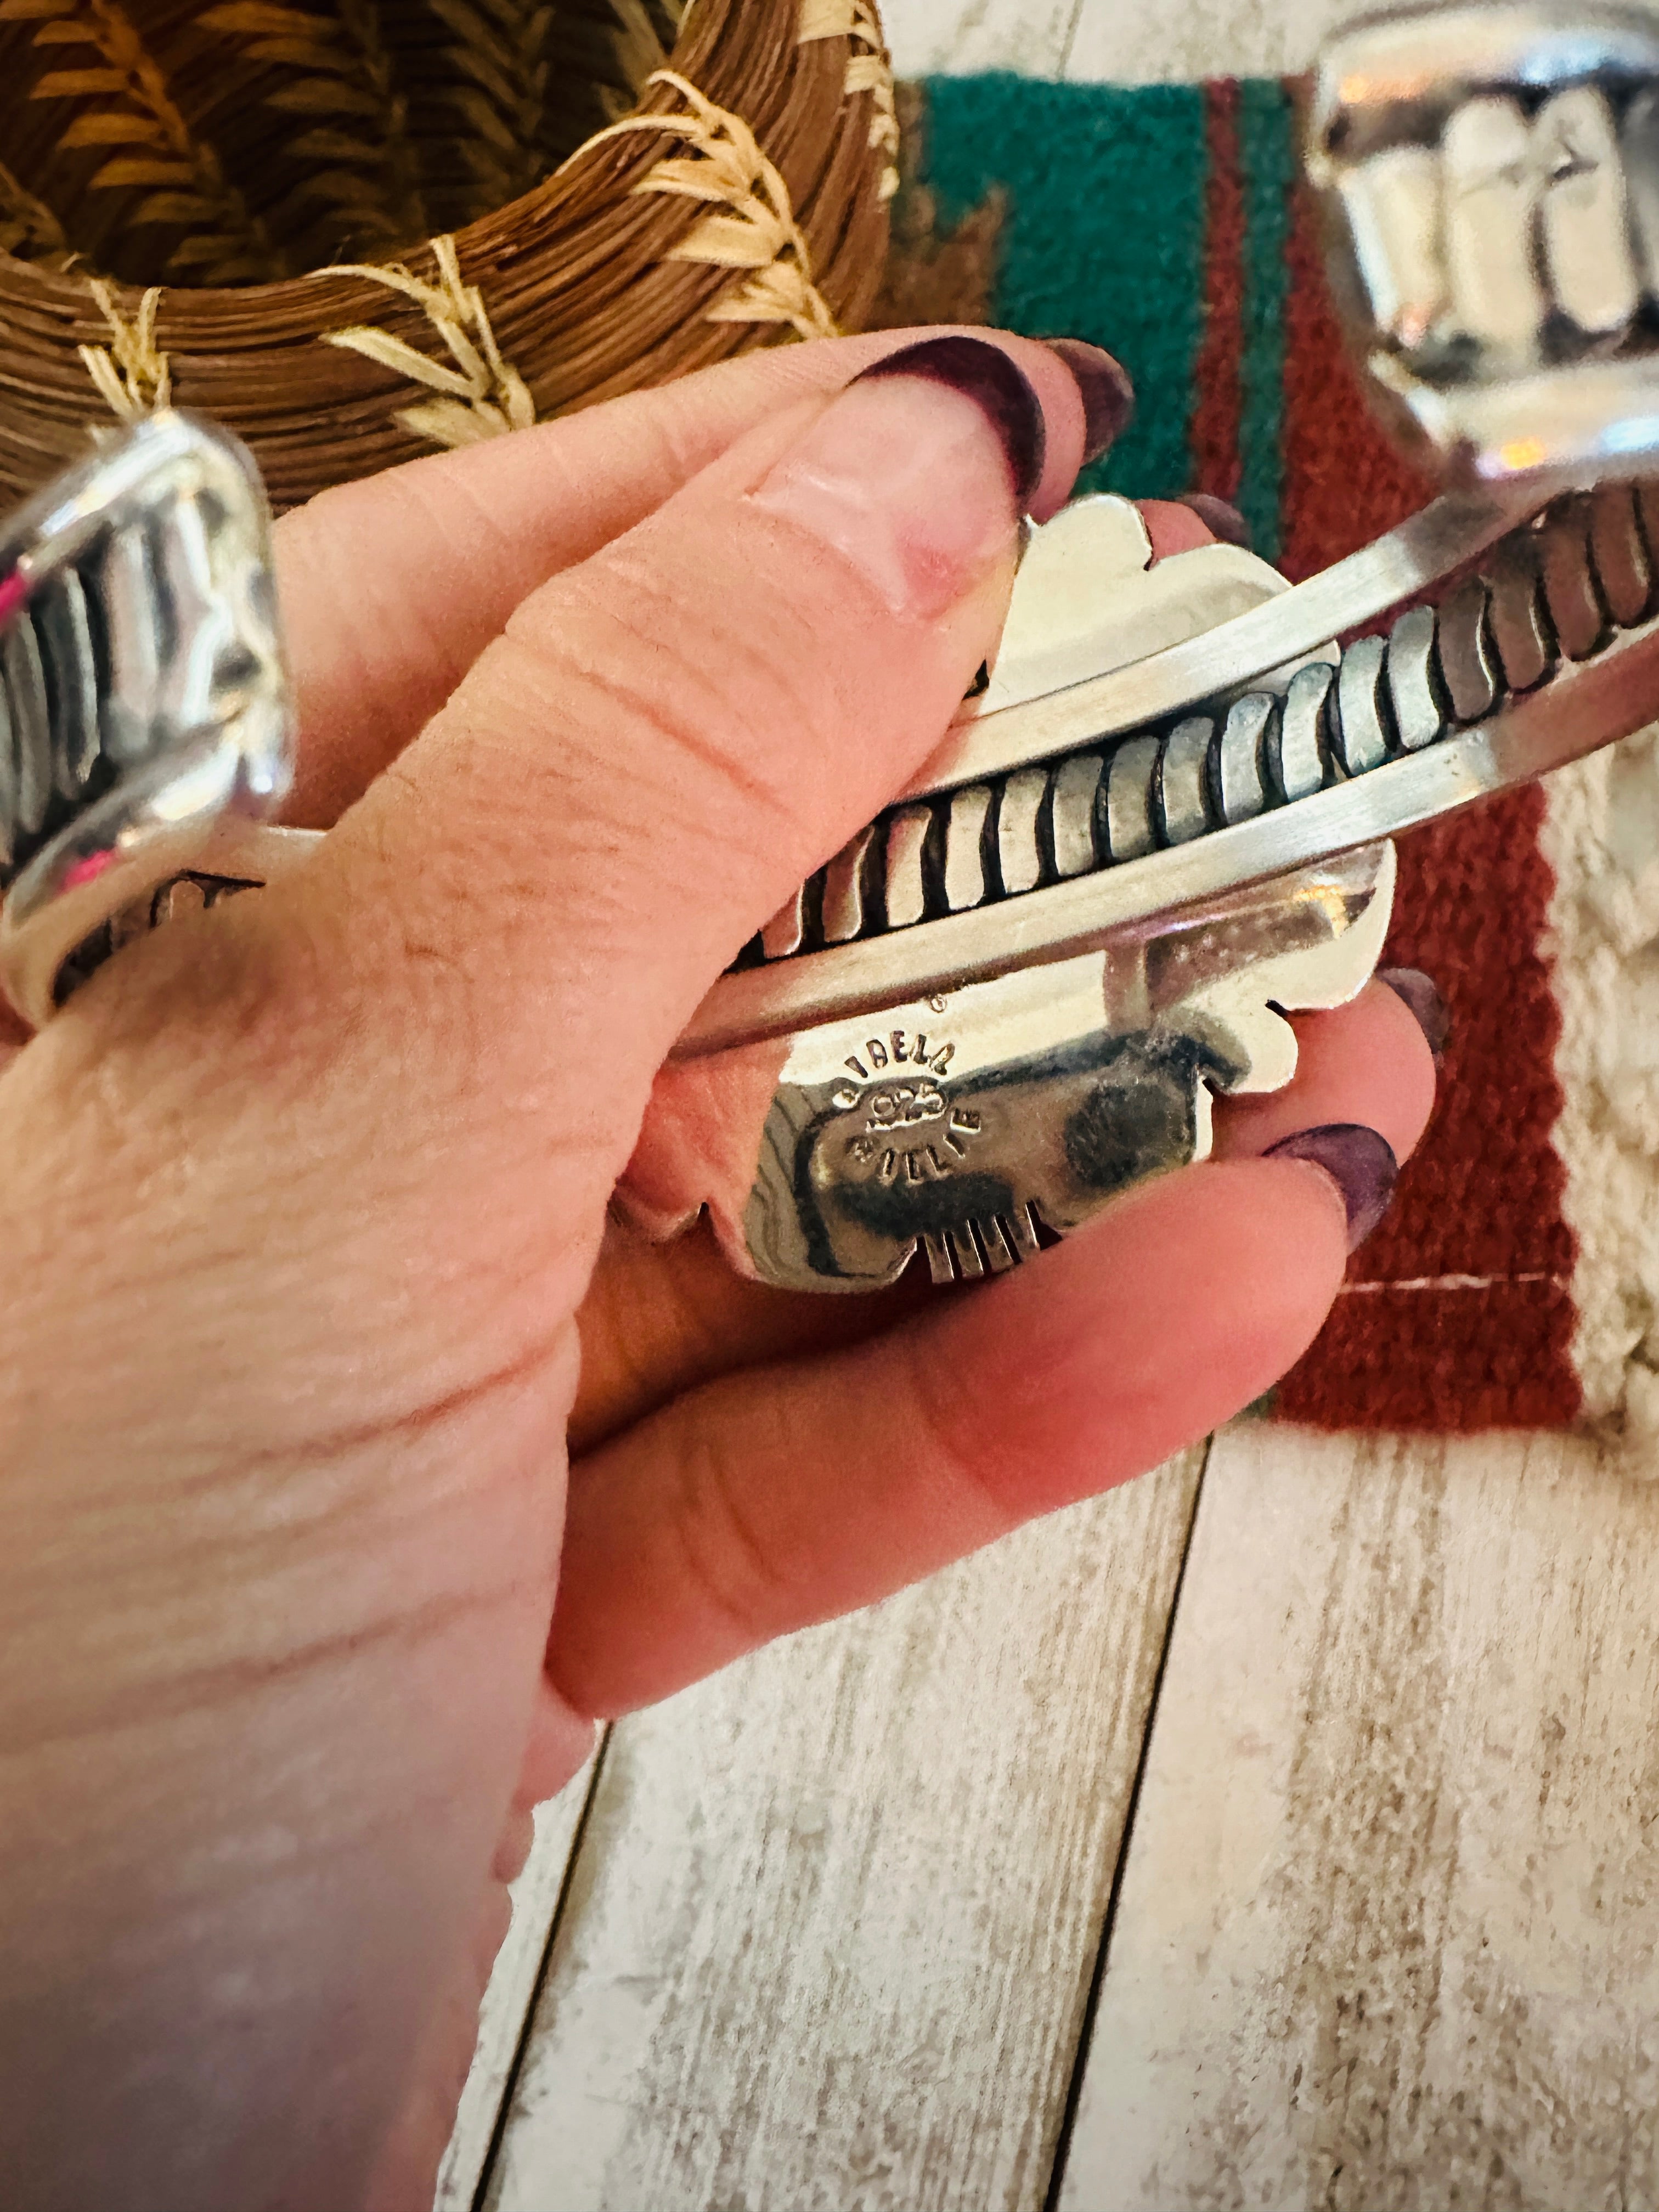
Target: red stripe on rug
x=1217, y=387
x=1480, y=1203
x=1411, y=1359
x=1344, y=481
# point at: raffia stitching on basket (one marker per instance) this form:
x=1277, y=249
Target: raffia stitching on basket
x=152, y=147
x=132, y=374
x=482, y=395
x=757, y=230
x=868, y=69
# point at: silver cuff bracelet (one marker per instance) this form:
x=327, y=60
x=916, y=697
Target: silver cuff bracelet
x=1166, y=823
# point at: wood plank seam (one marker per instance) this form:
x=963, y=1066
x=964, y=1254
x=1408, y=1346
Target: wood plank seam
x=833, y=1923
x=1063, y=69
x=1098, y=1976
x=504, y=2101
x=1387, y=1936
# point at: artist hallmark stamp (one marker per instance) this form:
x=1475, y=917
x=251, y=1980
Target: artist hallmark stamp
x=908, y=1129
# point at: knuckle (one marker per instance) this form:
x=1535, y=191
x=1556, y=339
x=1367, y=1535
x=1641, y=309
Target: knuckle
x=729, y=706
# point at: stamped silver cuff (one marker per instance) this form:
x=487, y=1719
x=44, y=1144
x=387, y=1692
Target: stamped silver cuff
x=145, y=704
x=1164, y=825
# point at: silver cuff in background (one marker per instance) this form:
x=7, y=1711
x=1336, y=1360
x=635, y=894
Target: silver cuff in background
x=1162, y=825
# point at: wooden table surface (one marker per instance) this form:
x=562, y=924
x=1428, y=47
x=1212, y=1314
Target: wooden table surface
x=1279, y=1831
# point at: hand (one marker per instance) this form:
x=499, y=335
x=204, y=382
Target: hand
x=304, y=1218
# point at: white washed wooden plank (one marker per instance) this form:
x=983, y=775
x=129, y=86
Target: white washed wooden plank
x=511, y=1993
x=929, y=37
x=830, y=1936
x=1118, y=45
x=1117, y=42
x=1388, y=1934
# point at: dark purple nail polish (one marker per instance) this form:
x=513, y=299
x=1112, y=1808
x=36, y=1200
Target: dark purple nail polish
x=1421, y=994
x=1219, y=516
x=989, y=375
x=1109, y=397
x=1358, y=1161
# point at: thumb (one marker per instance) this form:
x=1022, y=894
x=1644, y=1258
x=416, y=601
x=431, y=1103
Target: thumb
x=668, y=738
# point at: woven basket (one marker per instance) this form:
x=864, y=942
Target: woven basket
x=559, y=199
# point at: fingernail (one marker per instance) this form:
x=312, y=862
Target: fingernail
x=1358, y=1161
x=987, y=375
x=1109, y=397
x=920, y=472
x=1218, y=516
x=1421, y=994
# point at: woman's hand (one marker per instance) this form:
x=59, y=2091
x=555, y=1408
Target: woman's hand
x=305, y=1219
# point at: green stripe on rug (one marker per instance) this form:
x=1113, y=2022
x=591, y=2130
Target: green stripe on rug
x=1103, y=238
x=1266, y=146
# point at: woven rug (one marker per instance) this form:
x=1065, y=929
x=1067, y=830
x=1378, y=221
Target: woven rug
x=1515, y=1282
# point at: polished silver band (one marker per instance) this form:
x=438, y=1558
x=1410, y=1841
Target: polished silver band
x=1491, y=179
x=1165, y=820
x=145, y=704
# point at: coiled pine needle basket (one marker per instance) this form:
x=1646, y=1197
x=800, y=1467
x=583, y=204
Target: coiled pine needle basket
x=356, y=230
